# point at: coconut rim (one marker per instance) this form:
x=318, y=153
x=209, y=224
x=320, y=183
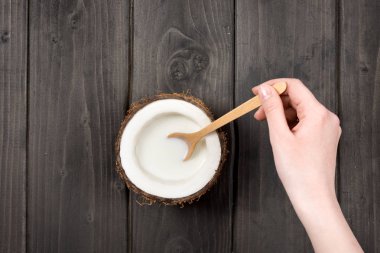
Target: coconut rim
x=150, y=198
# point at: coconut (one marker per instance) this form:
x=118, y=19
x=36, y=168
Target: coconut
x=152, y=165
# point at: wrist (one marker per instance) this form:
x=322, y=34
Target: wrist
x=325, y=224
x=311, y=194
x=317, y=207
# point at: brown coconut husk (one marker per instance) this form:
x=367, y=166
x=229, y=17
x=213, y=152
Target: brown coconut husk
x=149, y=198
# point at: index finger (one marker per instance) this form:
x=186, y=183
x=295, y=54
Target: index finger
x=300, y=96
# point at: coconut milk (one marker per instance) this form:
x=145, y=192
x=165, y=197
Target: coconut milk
x=162, y=157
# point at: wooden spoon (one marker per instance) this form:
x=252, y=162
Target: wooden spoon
x=192, y=139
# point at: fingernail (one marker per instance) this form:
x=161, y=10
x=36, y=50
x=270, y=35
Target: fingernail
x=265, y=92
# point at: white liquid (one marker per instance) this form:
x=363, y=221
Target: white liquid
x=153, y=163
x=162, y=157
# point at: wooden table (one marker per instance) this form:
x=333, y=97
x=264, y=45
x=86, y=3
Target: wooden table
x=70, y=69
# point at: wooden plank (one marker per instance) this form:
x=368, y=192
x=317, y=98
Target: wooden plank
x=360, y=116
x=13, y=61
x=276, y=39
x=180, y=30
x=78, y=95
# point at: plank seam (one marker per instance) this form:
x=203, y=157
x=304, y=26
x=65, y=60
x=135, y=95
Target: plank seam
x=130, y=51
x=235, y=142
x=129, y=100
x=338, y=5
x=26, y=184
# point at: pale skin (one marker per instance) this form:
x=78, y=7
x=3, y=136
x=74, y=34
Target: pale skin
x=304, y=136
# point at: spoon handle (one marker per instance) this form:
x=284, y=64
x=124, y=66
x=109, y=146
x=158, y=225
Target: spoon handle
x=239, y=111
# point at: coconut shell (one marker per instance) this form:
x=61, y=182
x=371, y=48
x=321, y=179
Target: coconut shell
x=149, y=198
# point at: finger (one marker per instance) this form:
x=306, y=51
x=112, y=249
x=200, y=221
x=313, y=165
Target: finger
x=255, y=90
x=290, y=115
x=274, y=111
x=300, y=96
x=260, y=115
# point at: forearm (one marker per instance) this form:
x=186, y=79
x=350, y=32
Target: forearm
x=326, y=225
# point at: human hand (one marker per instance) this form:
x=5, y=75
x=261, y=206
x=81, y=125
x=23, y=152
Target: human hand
x=304, y=136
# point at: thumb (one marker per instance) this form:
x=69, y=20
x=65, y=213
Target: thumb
x=274, y=111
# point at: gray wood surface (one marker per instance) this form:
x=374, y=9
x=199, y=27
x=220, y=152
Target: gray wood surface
x=13, y=127
x=169, y=38
x=276, y=39
x=78, y=95
x=65, y=86
x=360, y=117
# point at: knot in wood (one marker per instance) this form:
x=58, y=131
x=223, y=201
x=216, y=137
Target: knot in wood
x=63, y=173
x=90, y=217
x=178, y=70
x=200, y=62
x=187, y=64
x=363, y=67
x=5, y=36
x=75, y=20
x=54, y=40
x=119, y=186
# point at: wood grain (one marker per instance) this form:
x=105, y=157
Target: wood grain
x=180, y=46
x=58, y=188
x=78, y=95
x=360, y=117
x=13, y=129
x=276, y=39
